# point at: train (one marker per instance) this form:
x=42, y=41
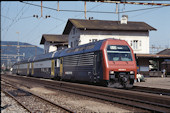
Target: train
x=108, y=62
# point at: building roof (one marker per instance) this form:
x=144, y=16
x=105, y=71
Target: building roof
x=54, y=38
x=106, y=25
x=152, y=56
x=164, y=52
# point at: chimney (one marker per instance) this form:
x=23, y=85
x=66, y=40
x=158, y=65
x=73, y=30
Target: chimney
x=124, y=19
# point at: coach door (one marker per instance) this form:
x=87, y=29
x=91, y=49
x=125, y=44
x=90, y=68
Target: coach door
x=52, y=67
x=28, y=68
x=32, y=68
x=61, y=66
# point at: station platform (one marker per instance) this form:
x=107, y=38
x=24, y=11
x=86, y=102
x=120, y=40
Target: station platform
x=155, y=82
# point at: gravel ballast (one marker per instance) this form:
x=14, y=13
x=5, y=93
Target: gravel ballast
x=76, y=102
x=9, y=105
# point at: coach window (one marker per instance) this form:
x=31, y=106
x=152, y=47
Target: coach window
x=58, y=62
x=55, y=63
x=94, y=40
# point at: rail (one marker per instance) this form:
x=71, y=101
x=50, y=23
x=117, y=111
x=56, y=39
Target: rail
x=147, y=101
x=37, y=96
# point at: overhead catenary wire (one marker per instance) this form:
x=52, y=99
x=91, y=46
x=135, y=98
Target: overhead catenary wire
x=15, y=20
x=65, y=21
x=7, y=17
x=89, y=9
x=55, y=27
x=86, y=11
x=136, y=3
x=82, y=13
x=33, y=29
x=92, y=11
x=142, y=13
x=6, y=14
x=57, y=19
x=49, y=8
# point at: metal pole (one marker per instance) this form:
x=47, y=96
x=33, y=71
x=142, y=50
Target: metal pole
x=85, y=9
x=35, y=50
x=18, y=46
x=41, y=10
x=58, y=6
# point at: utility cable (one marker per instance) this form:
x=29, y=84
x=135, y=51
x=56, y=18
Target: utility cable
x=93, y=11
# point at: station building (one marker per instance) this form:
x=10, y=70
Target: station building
x=54, y=42
x=82, y=31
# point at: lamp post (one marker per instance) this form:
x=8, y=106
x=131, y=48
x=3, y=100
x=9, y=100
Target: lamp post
x=18, y=47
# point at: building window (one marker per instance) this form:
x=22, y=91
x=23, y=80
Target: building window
x=75, y=43
x=135, y=44
x=74, y=30
x=131, y=43
x=71, y=44
x=140, y=43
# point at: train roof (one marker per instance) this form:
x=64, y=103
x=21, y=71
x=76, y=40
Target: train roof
x=94, y=46
x=37, y=58
x=42, y=57
x=90, y=47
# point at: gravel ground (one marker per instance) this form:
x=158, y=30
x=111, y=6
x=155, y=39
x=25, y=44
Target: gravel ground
x=8, y=105
x=78, y=103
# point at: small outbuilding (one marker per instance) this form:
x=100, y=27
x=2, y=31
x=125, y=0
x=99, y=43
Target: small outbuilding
x=54, y=42
x=151, y=64
x=166, y=63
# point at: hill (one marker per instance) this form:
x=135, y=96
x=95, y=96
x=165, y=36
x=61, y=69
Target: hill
x=12, y=50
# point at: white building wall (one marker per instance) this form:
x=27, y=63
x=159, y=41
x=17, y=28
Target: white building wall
x=74, y=37
x=133, y=38
x=52, y=48
x=48, y=47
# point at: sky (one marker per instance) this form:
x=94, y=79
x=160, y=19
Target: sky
x=18, y=23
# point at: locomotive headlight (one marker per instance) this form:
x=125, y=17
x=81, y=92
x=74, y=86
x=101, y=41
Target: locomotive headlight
x=112, y=72
x=131, y=72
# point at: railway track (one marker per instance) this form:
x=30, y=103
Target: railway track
x=32, y=102
x=158, y=91
x=134, y=99
x=142, y=100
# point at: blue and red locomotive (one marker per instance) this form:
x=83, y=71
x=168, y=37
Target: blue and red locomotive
x=109, y=62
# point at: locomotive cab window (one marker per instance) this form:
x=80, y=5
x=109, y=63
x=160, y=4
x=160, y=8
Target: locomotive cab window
x=118, y=53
